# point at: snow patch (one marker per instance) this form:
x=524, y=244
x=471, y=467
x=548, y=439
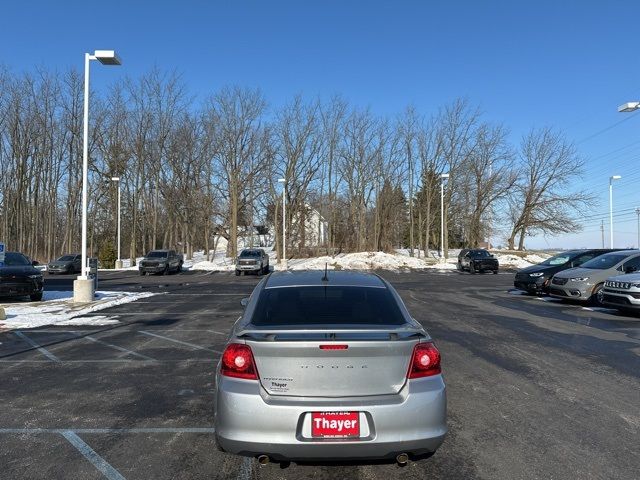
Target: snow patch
x=57, y=308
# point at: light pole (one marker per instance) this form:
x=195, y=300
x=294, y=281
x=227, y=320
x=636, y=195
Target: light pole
x=638, y=214
x=283, y=181
x=119, y=260
x=611, y=179
x=443, y=177
x=83, y=287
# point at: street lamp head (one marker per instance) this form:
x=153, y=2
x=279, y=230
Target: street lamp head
x=616, y=177
x=444, y=175
x=115, y=179
x=282, y=180
x=107, y=57
x=629, y=107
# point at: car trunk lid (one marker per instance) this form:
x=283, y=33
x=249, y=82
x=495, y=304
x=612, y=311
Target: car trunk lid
x=333, y=365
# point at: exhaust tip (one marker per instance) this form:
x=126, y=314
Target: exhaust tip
x=263, y=459
x=402, y=459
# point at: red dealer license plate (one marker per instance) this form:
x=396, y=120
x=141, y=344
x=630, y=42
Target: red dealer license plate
x=335, y=424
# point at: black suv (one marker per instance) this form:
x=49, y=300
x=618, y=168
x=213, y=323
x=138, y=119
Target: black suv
x=536, y=278
x=19, y=278
x=477, y=260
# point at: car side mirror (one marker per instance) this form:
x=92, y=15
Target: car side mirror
x=244, y=302
x=35, y=262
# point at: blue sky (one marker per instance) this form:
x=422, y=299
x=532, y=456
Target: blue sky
x=564, y=64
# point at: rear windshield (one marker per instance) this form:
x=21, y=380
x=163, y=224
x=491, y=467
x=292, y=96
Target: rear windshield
x=66, y=258
x=250, y=253
x=13, y=259
x=157, y=255
x=331, y=305
x=604, y=262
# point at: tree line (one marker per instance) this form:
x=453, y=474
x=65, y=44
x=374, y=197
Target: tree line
x=196, y=170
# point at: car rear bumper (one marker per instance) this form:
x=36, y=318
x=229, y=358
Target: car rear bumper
x=250, y=422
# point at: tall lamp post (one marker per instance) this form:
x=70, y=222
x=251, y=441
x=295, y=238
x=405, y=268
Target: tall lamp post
x=119, y=260
x=283, y=181
x=611, y=179
x=83, y=286
x=638, y=214
x=443, y=177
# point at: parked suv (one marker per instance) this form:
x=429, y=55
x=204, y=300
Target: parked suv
x=536, y=278
x=477, y=260
x=585, y=283
x=66, y=264
x=20, y=278
x=622, y=292
x=252, y=260
x=161, y=261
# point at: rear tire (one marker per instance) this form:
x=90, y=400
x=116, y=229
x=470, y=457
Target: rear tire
x=495, y=272
x=166, y=270
x=237, y=273
x=36, y=297
x=179, y=267
x=472, y=269
x=142, y=273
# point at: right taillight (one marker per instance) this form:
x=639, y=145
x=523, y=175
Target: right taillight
x=238, y=362
x=425, y=361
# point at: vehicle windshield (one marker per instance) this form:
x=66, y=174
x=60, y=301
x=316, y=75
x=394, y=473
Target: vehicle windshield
x=66, y=258
x=12, y=259
x=155, y=254
x=479, y=254
x=250, y=253
x=559, y=259
x=605, y=261
x=331, y=305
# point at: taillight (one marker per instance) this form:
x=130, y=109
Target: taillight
x=425, y=361
x=333, y=347
x=237, y=361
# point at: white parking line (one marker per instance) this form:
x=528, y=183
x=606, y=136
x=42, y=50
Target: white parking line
x=121, y=349
x=89, y=453
x=192, y=345
x=28, y=431
x=37, y=346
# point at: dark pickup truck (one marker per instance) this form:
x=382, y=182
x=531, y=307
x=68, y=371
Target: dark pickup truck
x=161, y=261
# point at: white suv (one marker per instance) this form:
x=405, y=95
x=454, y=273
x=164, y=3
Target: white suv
x=622, y=292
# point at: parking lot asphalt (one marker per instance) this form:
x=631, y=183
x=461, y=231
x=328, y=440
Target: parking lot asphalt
x=536, y=389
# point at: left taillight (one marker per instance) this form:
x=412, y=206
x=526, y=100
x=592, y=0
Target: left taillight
x=238, y=362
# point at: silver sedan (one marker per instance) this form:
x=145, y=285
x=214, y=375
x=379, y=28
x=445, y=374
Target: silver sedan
x=329, y=366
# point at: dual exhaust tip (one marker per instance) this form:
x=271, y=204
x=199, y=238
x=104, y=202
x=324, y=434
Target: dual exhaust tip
x=402, y=459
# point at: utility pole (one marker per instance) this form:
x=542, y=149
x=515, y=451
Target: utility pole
x=638, y=214
x=602, y=231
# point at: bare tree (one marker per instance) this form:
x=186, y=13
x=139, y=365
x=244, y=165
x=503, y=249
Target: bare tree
x=540, y=200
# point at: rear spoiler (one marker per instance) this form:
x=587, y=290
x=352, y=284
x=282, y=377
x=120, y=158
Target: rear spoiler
x=325, y=334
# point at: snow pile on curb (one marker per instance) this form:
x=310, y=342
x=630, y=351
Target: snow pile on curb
x=57, y=308
x=363, y=261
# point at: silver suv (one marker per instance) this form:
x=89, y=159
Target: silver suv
x=585, y=283
x=254, y=260
x=622, y=292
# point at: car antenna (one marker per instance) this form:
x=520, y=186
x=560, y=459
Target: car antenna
x=326, y=268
